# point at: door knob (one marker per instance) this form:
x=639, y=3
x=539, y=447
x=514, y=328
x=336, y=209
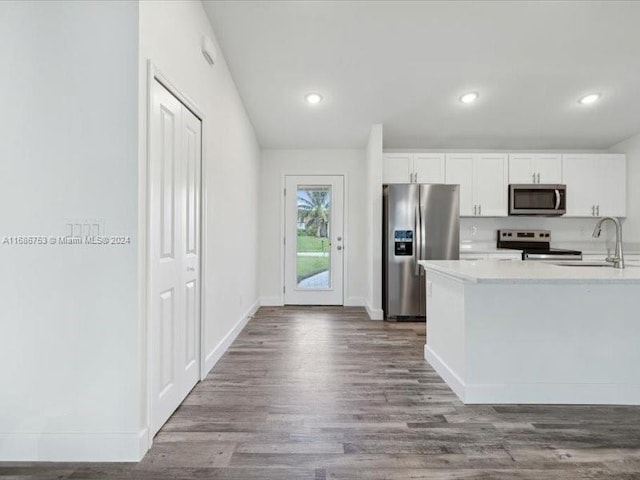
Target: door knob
x=339, y=247
x=339, y=238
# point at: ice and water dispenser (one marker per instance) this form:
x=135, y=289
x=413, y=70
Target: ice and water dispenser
x=403, y=242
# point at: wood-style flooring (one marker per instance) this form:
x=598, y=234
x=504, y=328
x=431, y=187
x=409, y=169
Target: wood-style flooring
x=324, y=393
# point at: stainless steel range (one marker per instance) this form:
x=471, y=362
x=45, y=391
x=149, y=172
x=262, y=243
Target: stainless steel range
x=535, y=245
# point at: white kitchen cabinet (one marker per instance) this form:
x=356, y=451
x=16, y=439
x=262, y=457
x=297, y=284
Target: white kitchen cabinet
x=596, y=185
x=535, y=168
x=413, y=168
x=397, y=168
x=428, y=167
x=483, y=180
x=459, y=170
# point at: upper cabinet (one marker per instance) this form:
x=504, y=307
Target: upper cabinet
x=535, y=168
x=596, y=185
x=413, y=168
x=483, y=180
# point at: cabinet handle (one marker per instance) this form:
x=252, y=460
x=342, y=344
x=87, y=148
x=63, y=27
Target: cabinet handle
x=415, y=177
x=475, y=209
x=479, y=209
x=538, y=177
x=534, y=177
x=597, y=210
x=593, y=210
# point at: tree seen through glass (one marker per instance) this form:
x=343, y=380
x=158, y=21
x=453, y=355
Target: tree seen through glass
x=313, y=242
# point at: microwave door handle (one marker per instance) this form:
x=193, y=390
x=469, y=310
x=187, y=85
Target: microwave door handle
x=557, y=199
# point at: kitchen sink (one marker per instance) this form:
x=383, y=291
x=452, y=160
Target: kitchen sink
x=589, y=264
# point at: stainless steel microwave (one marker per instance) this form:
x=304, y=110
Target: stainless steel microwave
x=537, y=199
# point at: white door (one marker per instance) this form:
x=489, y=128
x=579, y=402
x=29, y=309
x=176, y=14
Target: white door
x=581, y=174
x=428, y=167
x=396, y=168
x=521, y=168
x=314, y=240
x=490, y=184
x=548, y=168
x=174, y=253
x=613, y=186
x=459, y=170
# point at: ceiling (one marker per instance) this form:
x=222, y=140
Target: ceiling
x=404, y=64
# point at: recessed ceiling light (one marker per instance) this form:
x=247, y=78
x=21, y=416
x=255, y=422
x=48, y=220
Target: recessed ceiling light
x=588, y=99
x=313, y=98
x=469, y=97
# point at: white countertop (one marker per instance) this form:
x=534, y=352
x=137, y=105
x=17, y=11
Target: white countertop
x=501, y=271
x=596, y=247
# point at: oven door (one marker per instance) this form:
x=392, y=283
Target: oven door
x=547, y=200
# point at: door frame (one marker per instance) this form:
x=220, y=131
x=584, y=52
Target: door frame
x=144, y=273
x=283, y=227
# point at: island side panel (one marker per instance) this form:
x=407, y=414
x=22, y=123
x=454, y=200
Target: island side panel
x=445, y=345
x=552, y=343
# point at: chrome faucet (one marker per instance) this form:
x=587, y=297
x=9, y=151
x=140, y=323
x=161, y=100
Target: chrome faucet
x=618, y=259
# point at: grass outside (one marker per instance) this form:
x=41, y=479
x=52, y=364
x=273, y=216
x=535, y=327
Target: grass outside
x=309, y=266
x=313, y=244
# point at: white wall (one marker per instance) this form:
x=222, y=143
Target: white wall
x=374, y=222
x=277, y=163
x=68, y=314
x=170, y=36
x=631, y=147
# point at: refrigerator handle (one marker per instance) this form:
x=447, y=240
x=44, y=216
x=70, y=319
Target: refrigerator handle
x=416, y=242
x=417, y=250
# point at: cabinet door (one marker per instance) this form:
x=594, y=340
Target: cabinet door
x=612, y=177
x=459, y=171
x=548, y=167
x=521, y=168
x=490, y=172
x=429, y=167
x=580, y=174
x=396, y=168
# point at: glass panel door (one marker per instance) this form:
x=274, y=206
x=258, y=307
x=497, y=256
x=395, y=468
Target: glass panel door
x=314, y=243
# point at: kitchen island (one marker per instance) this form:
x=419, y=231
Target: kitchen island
x=534, y=332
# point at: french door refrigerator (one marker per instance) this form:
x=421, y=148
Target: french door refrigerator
x=420, y=222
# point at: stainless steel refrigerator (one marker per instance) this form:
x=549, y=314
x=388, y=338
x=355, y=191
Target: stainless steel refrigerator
x=420, y=222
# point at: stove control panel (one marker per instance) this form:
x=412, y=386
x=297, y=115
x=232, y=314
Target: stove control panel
x=523, y=238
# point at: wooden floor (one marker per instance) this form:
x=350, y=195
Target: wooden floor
x=324, y=393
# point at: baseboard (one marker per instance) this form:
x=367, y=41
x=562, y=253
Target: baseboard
x=214, y=355
x=271, y=302
x=354, y=302
x=535, y=393
x=73, y=447
x=374, y=313
x=449, y=376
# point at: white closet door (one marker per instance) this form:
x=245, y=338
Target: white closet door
x=174, y=253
